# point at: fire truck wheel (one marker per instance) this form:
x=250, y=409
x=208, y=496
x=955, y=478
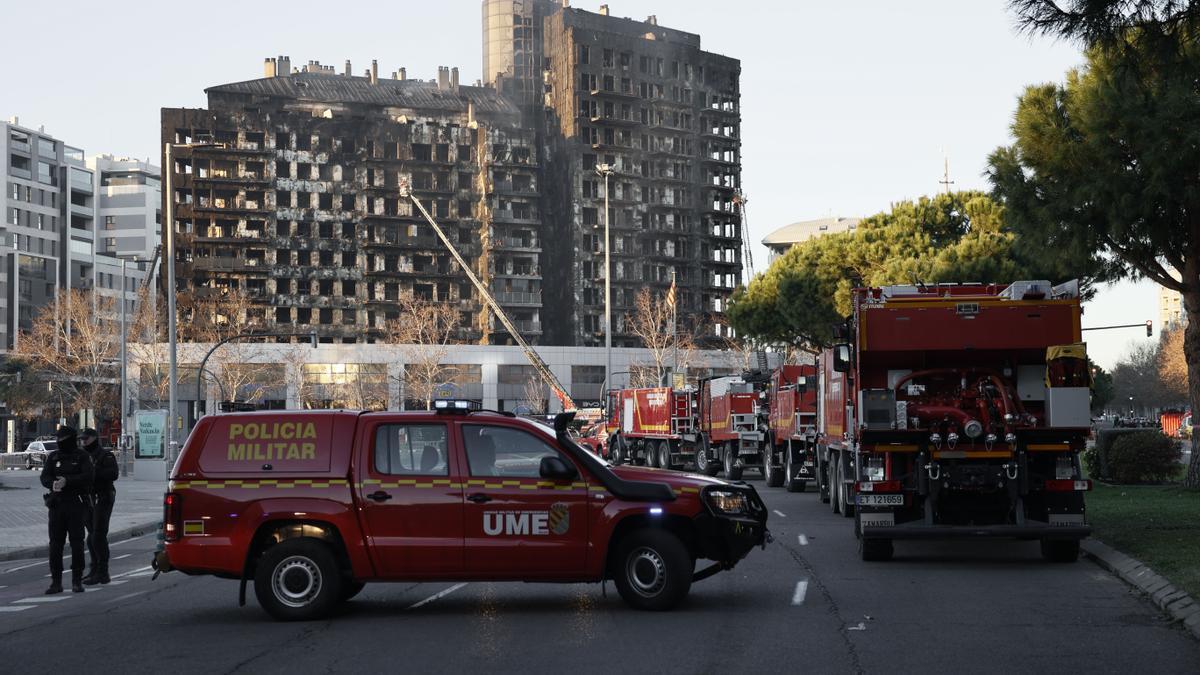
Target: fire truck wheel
x=876, y=550
x=664, y=454
x=704, y=459
x=773, y=475
x=844, y=505
x=649, y=453
x=653, y=569
x=1060, y=550
x=616, y=449
x=789, y=472
x=729, y=456
x=298, y=580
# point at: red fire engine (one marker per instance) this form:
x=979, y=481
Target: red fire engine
x=789, y=452
x=958, y=411
x=730, y=437
x=652, y=426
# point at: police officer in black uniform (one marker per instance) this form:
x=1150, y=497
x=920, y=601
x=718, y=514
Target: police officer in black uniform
x=104, y=495
x=67, y=473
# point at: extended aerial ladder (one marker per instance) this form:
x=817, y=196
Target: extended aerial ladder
x=543, y=371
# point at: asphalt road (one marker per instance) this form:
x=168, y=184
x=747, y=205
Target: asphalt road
x=805, y=604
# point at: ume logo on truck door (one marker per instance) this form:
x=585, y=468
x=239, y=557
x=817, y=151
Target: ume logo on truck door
x=528, y=523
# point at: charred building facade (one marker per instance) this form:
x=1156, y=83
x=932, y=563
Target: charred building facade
x=663, y=117
x=288, y=188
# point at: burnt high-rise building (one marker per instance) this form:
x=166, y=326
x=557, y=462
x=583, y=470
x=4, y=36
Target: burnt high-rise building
x=288, y=188
x=661, y=117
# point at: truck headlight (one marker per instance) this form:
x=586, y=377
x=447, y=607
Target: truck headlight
x=728, y=501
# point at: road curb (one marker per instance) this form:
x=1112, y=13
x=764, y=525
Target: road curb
x=1180, y=606
x=119, y=535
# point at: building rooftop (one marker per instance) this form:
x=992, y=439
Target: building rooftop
x=328, y=87
x=804, y=230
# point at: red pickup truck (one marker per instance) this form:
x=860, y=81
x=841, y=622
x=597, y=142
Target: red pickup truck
x=311, y=505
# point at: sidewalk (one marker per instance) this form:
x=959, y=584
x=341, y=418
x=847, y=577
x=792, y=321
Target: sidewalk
x=23, y=515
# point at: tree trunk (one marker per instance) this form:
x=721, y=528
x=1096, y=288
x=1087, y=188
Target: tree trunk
x=1191, y=354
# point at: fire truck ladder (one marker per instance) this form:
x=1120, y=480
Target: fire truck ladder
x=539, y=365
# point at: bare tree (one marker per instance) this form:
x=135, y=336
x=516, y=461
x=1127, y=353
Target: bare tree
x=236, y=367
x=75, y=341
x=294, y=360
x=535, y=394
x=423, y=333
x=148, y=349
x=652, y=321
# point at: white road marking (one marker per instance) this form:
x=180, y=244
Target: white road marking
x=781, y=514
x=43, y=598
x=803, y=540
x=131, y=572
x=801, y=591
x=25, y=567
x=141, y=574
x=122, y=557
x=117, y=582
x=436, y=596
x=16, y=608
x=126, y=541
x=126, y=596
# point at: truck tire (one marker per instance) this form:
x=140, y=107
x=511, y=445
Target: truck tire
x=616, y=450
x=822, y=476
x=653, y=570
x=664, y=455
x=729, y=458
x=705, y=462
x=650, y=454
x=1060, y=550
x=789, y=471
x=774, y=476
x=835, y=479
x=845, y=506
x=298, y=580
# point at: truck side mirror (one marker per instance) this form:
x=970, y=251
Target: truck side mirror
x=841, y=358
x=554, y=468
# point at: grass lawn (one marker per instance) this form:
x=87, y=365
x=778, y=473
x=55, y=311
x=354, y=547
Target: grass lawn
x=1159, y=525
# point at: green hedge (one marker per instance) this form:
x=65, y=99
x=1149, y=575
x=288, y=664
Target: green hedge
x=1144, y=457
x=1095, y=459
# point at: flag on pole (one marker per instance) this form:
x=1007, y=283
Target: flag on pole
x=671, y=294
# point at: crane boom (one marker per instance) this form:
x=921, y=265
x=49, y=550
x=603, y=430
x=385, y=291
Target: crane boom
x=539, y=365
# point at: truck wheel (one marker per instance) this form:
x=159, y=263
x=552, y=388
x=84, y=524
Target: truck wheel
x=732, y=471
x=298, y=580
x=1060, y=550
x=789, y=472
x=876, y=550
x=845, y=505
x=664, y=455
x=704, y=459
x=835, y=480
x=616, y=450
x=653, y=570
x=649, y=454
x=774, y=476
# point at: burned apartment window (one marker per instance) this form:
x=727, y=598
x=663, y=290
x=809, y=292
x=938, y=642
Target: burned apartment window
x=303, y=315
x=282, y=228
x=349, y=317
x=303, y=141
x=421, y=152
x=325, y=201
x=326, y=260
x=325, y=287
x=443, y=152
x=349, y=259
x=349, y=289
x=348, y=145
x=464, y=153
x=303, y=229
x=325, y=316
x=283, y=315
x=583, y=55
x=464, y=208
x=422, y=180
x=326, y=230
x=348, y=230
x=347, y=202
x=283, y=199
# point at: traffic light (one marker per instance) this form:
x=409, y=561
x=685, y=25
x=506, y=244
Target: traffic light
x=1149, y=328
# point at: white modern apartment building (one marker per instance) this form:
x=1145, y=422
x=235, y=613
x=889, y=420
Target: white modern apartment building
x=128, y=206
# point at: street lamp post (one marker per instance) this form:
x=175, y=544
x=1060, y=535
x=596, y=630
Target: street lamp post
x=606, y=170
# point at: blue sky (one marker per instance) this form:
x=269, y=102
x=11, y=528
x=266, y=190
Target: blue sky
x=847, y=106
